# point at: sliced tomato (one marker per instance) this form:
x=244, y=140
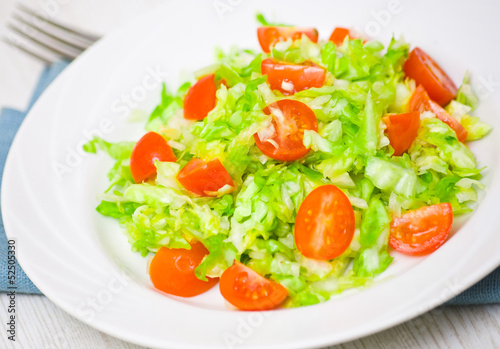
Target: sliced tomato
x=268, y=36
x=150, y=147
x=290, y=78
x=172, y=271
x=422, y=231
x=201, y=98
x=426, y=72
x=286, y=132
x=402, y=129
x=421, y=102
x=247, y=290
x=204, y=178
x=324, y=226
x=339, y=34
x=445, y=117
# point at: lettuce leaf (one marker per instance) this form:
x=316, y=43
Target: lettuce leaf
x=390, y=176
x=466, y=95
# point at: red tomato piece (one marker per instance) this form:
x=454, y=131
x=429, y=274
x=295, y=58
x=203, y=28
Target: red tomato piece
x=201, y=98
x=290, y=119
x=150, y=147
x=247, y=290
x=268, y=36
x=402, y=129
x=445, y=117
x=421, y=102
x=422, y=231
x=325, y=224
x=172, y=271
x=426, y=72
x=204, y=178
x=339, y=34
x=298, y=77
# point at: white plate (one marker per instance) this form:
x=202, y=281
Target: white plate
x=82, y=262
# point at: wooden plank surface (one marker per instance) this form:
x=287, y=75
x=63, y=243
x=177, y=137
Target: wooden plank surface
x=42, y=325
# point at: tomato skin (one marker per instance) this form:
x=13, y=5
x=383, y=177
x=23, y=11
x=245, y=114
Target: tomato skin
x=339, y=34
x=268, y=35
x=445, y=117
x=204, y=178
x=402, y=129
x=325, y=223
x=297, y=118
x=421, y=102
x=301, y=76
x=201, y=98
x=247, y=290
x=149, y=148
x=422, y=231
x=426, y=72
x=172, y=271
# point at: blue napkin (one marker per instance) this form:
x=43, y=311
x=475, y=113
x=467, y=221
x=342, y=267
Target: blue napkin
x=484, y=292
x=10, y=120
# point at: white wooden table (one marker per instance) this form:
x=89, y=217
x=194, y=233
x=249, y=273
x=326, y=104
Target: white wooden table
x=42, y=325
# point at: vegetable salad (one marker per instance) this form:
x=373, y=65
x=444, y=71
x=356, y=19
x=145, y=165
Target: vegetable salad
x=290, y=174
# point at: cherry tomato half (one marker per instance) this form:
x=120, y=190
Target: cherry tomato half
x=201, y=98
x=339, y=34
x=426, y=72
x=290, y=78
x=290, y=119
x=420, y=102
x=325, y=224
x=204, y=178
x=402, y=129
x=150, y=147
x=421, y=231
x=172, y=271
x=268, y=36
x=247, y=290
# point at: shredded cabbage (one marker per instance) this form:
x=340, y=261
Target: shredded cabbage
x=254, y=222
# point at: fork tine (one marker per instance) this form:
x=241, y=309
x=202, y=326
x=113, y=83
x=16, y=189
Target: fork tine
x=91, y=38
x=74, y=45
x=50, y=47
x=30, y=53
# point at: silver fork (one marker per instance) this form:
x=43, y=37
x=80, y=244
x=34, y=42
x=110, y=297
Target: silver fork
x=46, y=39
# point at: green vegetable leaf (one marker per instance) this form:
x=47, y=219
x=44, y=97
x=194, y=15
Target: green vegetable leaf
x=263, y=21
x=221, y=256
x=466, y=95
x=375, y=222
x=116, y=209
x=118, y=151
